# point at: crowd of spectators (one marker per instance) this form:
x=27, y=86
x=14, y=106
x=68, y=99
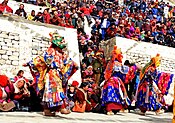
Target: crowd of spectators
x=141, y=20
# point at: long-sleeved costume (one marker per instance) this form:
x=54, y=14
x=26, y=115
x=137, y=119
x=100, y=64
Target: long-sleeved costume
x=114, y=96
x=148, y=90
x=51, y=72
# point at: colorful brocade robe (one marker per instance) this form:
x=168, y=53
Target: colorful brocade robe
x=50, y=72
x=147, y=95
x=114, y=90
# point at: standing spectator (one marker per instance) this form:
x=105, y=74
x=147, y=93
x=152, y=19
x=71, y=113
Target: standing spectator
x=166, y=10
x=105, y=23
x=143, y=6
x=21, y=12
x=5, y=8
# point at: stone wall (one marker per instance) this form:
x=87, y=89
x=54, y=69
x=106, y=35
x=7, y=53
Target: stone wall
x=141, y=52
x=21, y=40
x=11, y=52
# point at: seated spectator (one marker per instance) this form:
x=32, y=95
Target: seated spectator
x=71, y=94
x=21, y=12
x=94, y=95
x=20, y=75
x=4, y=8
x=55, y=20
x=81, y=102
x=46, y=16
x=88, y=75
x=20, y=94
x=31, y=16
x=6, y=104
x=39, y=17
x=148, y=37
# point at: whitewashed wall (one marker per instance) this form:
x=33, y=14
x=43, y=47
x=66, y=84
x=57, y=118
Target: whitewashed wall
x=22, y=40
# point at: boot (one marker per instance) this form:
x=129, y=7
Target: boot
x=47, y=112
x=159, y=111
x=110, y=113
x=65, y=111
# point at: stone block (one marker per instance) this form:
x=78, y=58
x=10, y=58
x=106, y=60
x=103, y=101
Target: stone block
x=9, y=44
x=13, y=57
x=17, y=38
x=2, y=43
x=1, y=39
x=9, y=52
x=11, y=37
x=2, y=61
x=2, y=35
x=15, y=46
x=13, y=49
x=40, y=52
x=3, y=52
x=34, y=52
x=15, y=53
x=4, y=57
x=5, y=47
x=15, y=63
x=8, y=62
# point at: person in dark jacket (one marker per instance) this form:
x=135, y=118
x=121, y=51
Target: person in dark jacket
x=21, y=11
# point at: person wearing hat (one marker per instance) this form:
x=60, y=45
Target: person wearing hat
x=81, y=99
x=6, y=104
x=114, y=98
x=148, y=91
x=50, y=73
x=99, y=66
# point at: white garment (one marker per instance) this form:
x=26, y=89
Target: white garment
x=104, y=24
x=4, y=94
x=166, y=10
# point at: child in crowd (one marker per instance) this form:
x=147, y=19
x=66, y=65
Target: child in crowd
x=71, y=94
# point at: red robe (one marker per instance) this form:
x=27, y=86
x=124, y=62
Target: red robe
x=8, y=9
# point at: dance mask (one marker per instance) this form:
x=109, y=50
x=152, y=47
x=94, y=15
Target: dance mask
x=117, y=54
x=58, y=40
x=156, y=60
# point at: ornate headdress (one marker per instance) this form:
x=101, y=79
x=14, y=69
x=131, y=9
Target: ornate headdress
x=57, y=40
x=116, y=54
x=155, y=60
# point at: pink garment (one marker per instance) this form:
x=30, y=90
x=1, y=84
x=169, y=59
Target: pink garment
x=88, y=72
